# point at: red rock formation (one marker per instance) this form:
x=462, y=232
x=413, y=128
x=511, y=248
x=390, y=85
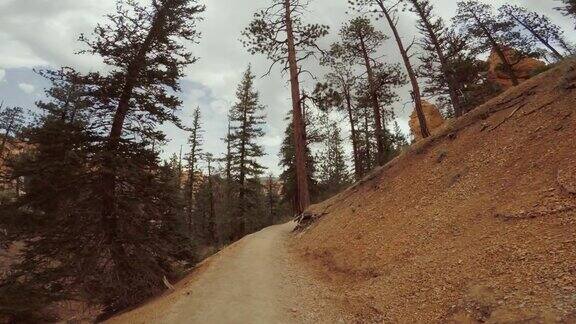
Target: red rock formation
x=523, y=69
x=433, y=118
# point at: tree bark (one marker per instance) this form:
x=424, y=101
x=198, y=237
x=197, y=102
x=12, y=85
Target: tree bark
x=375, y=104
x=302, y=191
x=411, y=74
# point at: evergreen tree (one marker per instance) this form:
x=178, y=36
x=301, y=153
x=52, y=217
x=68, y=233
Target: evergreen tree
x=361, y=41
x=332, y=169
x=102, y=235
x=211, y=233
x=247, y=120
x=539, y=26
x=11, y=122
x=468, y=72
x=400, y=141
x=272, y=200
x=435, y=43
x=389, y=10
x=285, y=39
x=193, y=158
x=288, y=163
x=485, y=32
x=568, y=8
x=337, y=92
x=205, y=209
x=367, y=142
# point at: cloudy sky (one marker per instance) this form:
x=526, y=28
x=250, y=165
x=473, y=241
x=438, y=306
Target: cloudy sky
x=43, y=33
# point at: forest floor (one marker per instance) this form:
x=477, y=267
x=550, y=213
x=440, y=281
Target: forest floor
x=255, y=280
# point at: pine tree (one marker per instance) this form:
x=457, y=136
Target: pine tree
x=486, y=32
x=247, y=120
x=272, y=199
x=435, y=43
x=11, y=122
x=193, y=158
x=337, y=92
x=361, y=41
x=106, y=240
x=568, y=8
x=332, y=169
x=279, y=33
x=288, y=163
x=388, y=9
x=388, y=76
x=206, y=203
x=400, y=141
x=143, y=46
x=539, y=26
x=367, y=145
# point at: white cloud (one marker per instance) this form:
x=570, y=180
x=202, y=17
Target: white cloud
x=26, y=87
x=2, y=75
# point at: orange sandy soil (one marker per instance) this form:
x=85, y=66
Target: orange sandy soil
x=476, y=224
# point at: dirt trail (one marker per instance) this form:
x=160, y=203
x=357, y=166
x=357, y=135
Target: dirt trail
x=256, y=280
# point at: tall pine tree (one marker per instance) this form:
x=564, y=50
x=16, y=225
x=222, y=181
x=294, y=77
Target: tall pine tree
x=247, y=119
x=106, y=240
x=435, y=43
x=193, y=158
x=279, y=33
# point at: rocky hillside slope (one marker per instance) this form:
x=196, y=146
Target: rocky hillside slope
x=477, y=224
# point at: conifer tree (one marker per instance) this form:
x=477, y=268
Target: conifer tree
x=389, y=10
x=288, y=163
x=486, y=32
x=435, y=43
x=106, y=239
x=361, y=41
x=539, y=26
x=568, y=8
x=210, y=230
x=279, y=33
x=193, y=158
x=337, y=92
x=272, y=199
x=11, y=122
x=247, y=120
x=367, y=145
x=332, y=169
